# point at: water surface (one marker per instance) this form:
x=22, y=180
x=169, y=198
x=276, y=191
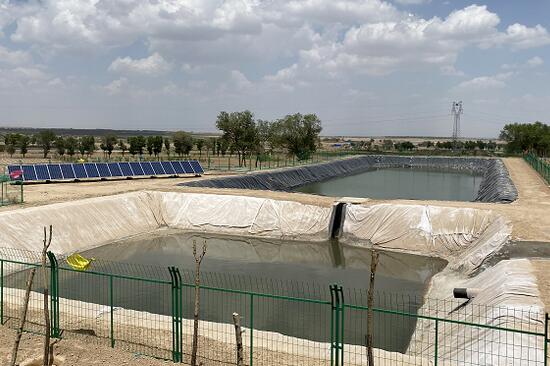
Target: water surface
x=404, y=183
x=283, y=267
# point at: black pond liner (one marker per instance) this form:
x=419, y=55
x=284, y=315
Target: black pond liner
x=496, y=185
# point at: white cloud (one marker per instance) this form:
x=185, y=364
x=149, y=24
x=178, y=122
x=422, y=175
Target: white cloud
x=535, y=62
x=153, y=65
x=532, y=63
x=413, y=2
x=341, y=11
x=521, y=37
x=116, y=86
x=13, y=58
x=485, y=82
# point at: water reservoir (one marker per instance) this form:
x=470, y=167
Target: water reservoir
x=283, y=267
x=401, y=183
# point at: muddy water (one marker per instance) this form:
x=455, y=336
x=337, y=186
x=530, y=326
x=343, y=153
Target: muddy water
x=283, y=267
x=405, y=183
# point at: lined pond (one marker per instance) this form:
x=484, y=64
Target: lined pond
x=404, y=183
x=283, y=267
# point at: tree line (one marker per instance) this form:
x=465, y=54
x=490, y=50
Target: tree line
x=295, y=134
x=242, y=134
x=524, y=137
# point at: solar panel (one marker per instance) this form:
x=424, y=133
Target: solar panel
x=157, y=168
x=42, y=172
x=103, y=170
x=136, y=167
x=55, y=171
x=67, y=170
x=79, y=171
x=187, y=167
x=126, y=169
x=91, y=170
x=177, y=167
x=196, y=166
x=14, y=168
x=115, y=169
x=147, y=168
x=28, y=172
x=168, y=167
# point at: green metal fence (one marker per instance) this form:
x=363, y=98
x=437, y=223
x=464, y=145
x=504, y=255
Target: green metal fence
x=149, y=310
x=540, y=165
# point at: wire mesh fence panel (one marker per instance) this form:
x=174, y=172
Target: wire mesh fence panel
x=150, y=310
x=14, y=285
x=216, y=331
x=291, y=331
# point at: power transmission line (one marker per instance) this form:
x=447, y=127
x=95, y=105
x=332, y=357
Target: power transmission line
x=456, y=111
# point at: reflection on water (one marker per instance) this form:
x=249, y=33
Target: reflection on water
x=405, y=183
x=283, y=267
x=293, y=268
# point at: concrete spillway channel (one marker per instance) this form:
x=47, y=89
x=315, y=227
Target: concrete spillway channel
x=465, y=238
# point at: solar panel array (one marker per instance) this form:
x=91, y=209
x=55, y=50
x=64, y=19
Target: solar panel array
x=46, y=172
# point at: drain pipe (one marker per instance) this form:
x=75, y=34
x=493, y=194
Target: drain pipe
x=465, y=293
x=337, y=219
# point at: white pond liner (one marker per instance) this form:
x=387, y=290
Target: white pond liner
x=464, y=237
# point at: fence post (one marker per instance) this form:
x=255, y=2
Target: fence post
x=336, y=326
x=54, y=296
x=112, y=317
x=436, y=341
x=546, y=340
x=1, y=292
x=176, y=314
x=251, y=329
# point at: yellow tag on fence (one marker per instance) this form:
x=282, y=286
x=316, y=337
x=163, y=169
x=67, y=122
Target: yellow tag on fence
x=78, y=262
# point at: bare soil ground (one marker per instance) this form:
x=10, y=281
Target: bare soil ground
x=72, y=352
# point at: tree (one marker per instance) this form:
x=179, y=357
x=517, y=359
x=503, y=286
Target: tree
x=223, y=145
x=521, y=137
x=24, y=144
x=404, y=146
x=387, y=144
x=87, y=145
x=81, y=147
x=149, y=145
x=239, y=130
x=481, y=145
x=470, y=145
x=210, y=144
x=298, y=134
x=11, y=140
x=122, y=146
x=198, y=260
x=167, y=146
x=44, y=139
x=200, y=146
x=137, y=144
x=157, y=145
x=183, y=143
x=71, y=145
x=108, y=143
x=59, y=145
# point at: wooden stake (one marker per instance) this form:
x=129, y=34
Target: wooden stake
x=198, y=261
x=370, y=304
x=238, y=338
x=23, y=318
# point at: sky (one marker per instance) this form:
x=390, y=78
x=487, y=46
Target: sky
x=365, y=67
